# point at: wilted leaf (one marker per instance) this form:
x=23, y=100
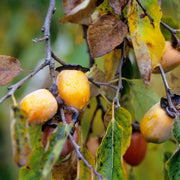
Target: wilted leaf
x=118, y=5
x=104, y=8
x=109, y=155
x=31, y=171
x=173, y=165
x=68, y=5
x=20, y=136
x=105, y=34
x=84, y=171
x=81, y=14
x=55, y=147
x=72, y=67
x=97, y=76
x=142, y=98
x=111, y=62
x=176, y=130
x=147, y=39
x=65, y=170
x=10, y=67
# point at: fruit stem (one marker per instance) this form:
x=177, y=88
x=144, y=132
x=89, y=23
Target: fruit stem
x=168, y=90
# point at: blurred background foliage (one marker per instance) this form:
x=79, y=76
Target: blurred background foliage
x=20, y=22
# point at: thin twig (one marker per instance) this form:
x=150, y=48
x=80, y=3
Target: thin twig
x=58, y=59
x=175, y=39
x=98, y=84
x=78, y=149
x=119, y=73
x=146, y=13
x=39, y=40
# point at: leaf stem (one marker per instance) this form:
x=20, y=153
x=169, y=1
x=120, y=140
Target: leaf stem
x=119, y=73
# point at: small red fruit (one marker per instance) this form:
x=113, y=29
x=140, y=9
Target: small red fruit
x=137, y=149
x=67, y=148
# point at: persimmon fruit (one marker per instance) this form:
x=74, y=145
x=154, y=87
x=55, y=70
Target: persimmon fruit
x=156, y=126
x=40, y=106
x=137, y=149
x=170, y=58
x=73, y=87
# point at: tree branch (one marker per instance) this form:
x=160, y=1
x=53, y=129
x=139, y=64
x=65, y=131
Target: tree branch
x=119, y=73
x=98, y=84
x=78, y=149
x=146, y=13
x=175, y=39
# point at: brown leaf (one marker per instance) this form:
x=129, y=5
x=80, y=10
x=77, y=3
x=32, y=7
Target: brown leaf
x=9, y=68
x=105, y=34
x=68, y=5
x=66, y=169
x=81, y=14
x=118, y=5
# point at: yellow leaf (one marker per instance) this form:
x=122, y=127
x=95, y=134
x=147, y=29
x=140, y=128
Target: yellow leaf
x=147, y=39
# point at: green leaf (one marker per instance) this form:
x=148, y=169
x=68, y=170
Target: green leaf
x=55, y=147
x=173, y=165
x=167, y=155
x=84, y=171
x=31, y=171
x=20, y=136
x=142, y=98
x=109, y=155
x=147, y=39
x=35, y=136
x=176, y=130
x=123, y=118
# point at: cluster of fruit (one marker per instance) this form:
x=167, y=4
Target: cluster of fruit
x=73, y=87
x=155, y=127
x=41, y=106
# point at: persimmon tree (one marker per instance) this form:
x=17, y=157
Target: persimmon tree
x=128, y=36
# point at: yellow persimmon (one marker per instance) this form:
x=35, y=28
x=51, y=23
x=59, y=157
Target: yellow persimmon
x=73, y=87
x=170, y=58
x=40, y=106
x=156, y=126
